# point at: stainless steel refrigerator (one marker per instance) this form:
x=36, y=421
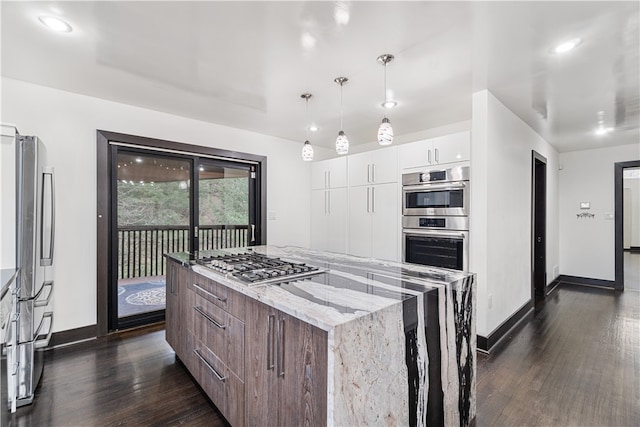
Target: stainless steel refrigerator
x=34, y=257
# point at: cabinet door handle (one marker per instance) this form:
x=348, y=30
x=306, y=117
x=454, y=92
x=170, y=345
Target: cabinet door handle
x=171, y=279
x=270, y=320
x=211, y=368
x=329, y=175
x=429, y=156
x=281, y=341
x=329, y=202
x=368, y=199
x=221, y=299
x=373, y=200
x=373, y=172
x=209, y=318
x=437, y=156
x=368, y=173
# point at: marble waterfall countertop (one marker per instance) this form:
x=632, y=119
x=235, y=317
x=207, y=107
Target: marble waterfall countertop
x=401, y=337
x=351, y=287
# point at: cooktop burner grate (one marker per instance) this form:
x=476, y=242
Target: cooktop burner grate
x=254, y=269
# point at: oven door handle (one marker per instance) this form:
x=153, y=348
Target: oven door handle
x=451, y=185
x=437, y=233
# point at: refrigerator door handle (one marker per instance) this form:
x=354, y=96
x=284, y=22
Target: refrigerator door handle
x=44, y=303
x=48, y=220
x=42, y=343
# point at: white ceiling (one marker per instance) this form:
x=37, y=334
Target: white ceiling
x=242, y=64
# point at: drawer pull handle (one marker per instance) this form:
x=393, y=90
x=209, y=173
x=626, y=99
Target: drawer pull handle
x=209, y=318
x=209, y=293
x=218, y=376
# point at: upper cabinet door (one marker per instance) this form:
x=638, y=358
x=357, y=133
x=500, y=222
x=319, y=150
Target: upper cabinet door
x=373, y=167
x=384, y=165
x=415, y=154
x=330, y=173
x=436, y=151
x=452, y=148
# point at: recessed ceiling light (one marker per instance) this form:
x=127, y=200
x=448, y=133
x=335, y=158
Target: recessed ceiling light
x=55, y=24
x=341, y=13
x=567, y=45
x=313, y=128
x=389, y=104
x=602, y=130
x=307, y=40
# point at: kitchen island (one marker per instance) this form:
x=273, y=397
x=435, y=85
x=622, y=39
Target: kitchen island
x=356, y=341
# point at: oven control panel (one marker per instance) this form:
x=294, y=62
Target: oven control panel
x=432, y=222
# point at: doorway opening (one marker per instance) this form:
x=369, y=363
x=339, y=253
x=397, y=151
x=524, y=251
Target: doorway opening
x=538, y=228
x=157, y=197
x=627, y=225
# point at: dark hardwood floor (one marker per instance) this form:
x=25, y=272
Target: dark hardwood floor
x=575, y=361
x=131, y=379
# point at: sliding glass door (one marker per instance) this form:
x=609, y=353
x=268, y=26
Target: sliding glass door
x=168, y=202
x=153, y=194
x=225, y=205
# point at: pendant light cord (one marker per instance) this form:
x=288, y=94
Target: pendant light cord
x=341, y=112
x=307, y=117
x=385, y=90
x=385, y=83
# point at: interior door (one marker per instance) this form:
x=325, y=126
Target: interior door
x=539, y=208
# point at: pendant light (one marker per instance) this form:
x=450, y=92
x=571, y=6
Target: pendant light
x=307, y=149
x=385, y=131
x=342, y=143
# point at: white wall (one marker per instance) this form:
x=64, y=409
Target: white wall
x=587, y=245
x=633, y=185
x=67, y=123
x=500, y=216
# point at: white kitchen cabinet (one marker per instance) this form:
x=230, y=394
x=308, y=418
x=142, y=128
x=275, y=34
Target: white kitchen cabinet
x=373, y=167
x=436, y=151
x=330, y=173
x=329, y=220
x=374, y=212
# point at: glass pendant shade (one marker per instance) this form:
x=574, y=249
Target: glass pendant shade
x=385, y=132
x=307, y=152
x=342, y=143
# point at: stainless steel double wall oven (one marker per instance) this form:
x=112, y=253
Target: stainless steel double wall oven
x=435, y=217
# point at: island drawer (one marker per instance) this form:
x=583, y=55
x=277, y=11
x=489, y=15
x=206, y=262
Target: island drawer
x=218, y=294
x=221, y=385
x=219, y=331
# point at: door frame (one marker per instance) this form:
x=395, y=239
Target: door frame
x=104, y=217
x=618, y=170
x=537, y=158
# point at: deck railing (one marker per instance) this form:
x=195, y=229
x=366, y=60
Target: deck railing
x=141, y=247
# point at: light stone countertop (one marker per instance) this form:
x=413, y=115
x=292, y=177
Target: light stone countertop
x=351, y=288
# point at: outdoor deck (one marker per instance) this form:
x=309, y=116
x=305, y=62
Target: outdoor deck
x=141, y=263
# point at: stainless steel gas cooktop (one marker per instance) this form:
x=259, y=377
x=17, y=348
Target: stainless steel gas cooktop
x=256, y=269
